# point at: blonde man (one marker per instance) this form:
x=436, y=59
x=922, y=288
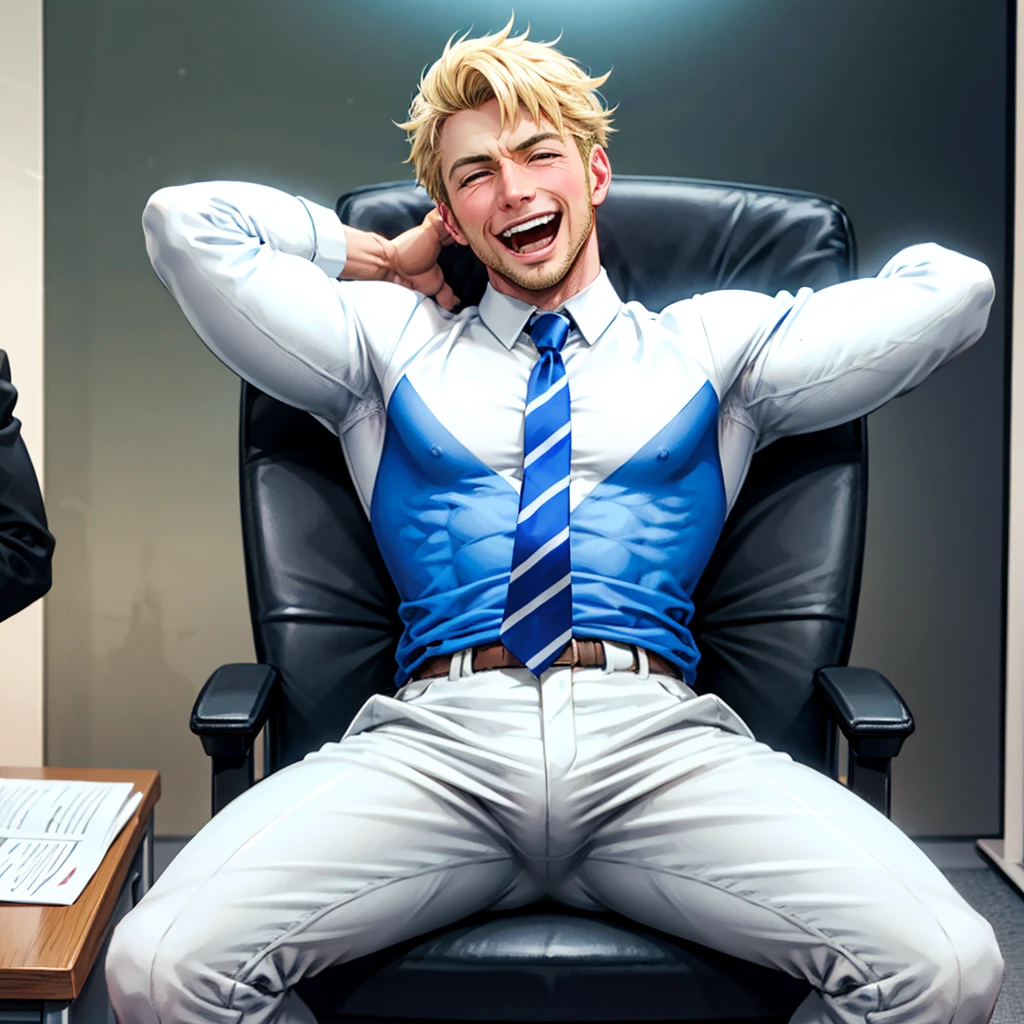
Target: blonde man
x=486, y=445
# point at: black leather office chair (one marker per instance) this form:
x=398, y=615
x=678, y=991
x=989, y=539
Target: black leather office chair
x=775, y=615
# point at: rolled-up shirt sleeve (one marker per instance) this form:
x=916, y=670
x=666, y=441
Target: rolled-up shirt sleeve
x=255, y=272
x=791, y=364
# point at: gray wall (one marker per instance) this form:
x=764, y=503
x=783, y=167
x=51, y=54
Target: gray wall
x=895, y=109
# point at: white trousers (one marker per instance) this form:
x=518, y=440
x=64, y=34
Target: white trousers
x=603, y=788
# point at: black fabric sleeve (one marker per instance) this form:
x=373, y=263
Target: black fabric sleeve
x=26, y=545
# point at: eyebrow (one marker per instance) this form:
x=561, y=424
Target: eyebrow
x=484, y=158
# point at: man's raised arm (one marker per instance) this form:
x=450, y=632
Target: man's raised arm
x=256, y=270
x=793, y=364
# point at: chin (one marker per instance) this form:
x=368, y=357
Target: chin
x=542, y=276
x=541, y=279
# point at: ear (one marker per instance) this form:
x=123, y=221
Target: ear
x=451, y=224
x=600, y=175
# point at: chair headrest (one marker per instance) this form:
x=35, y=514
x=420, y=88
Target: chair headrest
x=664, y=239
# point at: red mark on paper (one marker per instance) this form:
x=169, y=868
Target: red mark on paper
x=66, y=880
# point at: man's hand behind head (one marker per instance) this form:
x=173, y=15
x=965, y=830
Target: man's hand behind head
x=414, y=254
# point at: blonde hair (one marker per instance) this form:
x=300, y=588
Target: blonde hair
x=513, y=70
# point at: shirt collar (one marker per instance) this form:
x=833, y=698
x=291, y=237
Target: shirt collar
x=593, y=309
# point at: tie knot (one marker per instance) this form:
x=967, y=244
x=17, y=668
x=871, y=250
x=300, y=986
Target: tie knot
x=549, y=330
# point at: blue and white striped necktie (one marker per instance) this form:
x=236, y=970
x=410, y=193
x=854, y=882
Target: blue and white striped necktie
x=538, y=609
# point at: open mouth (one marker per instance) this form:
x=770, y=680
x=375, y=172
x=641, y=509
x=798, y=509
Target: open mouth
x=532, y=235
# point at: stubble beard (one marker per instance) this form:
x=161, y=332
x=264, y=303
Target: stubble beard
x=542, y=280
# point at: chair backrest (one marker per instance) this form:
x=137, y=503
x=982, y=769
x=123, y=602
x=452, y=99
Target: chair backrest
x=778, y=598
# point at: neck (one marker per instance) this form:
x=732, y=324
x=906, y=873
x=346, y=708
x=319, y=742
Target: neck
x=581, y=274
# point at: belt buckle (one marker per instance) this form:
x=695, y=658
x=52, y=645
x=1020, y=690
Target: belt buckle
x=575, y=647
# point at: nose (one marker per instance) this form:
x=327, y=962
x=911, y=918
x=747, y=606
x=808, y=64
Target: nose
x=515, y=188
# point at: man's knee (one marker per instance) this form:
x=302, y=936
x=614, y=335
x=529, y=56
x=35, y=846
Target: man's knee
x=129, y=966
x=162, y=966
x=963, y=971
x=981, y=969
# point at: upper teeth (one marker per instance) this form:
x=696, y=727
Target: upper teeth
x=526, y=225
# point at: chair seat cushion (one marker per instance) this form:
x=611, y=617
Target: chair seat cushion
x=562, y=965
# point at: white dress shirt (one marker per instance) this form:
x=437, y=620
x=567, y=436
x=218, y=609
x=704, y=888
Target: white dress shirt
x=667, y=408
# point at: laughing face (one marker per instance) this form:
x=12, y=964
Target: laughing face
x=522, y=199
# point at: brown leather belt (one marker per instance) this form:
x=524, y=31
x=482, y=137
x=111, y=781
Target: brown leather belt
x=578, y=653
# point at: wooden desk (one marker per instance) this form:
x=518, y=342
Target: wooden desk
x=50, y=967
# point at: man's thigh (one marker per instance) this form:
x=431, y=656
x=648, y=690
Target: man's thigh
x=766, y=859
x=341, y=854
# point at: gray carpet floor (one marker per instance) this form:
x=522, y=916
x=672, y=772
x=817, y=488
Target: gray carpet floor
x=981, y=885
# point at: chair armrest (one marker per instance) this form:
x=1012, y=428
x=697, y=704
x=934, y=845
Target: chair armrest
x=867, y=708
x=232, y=708
x=874, y=720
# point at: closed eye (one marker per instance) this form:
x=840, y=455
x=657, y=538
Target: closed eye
x=471, y=177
